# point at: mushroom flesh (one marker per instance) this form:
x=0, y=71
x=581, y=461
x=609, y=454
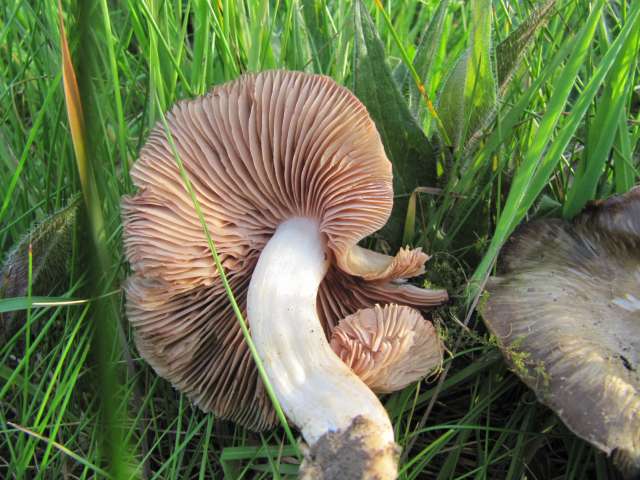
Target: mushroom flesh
x=291, y=174
x=565, y=309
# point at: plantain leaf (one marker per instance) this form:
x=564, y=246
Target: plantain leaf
x=50, y=244
x=511, y=51
x=469, y=93
x=412, y=156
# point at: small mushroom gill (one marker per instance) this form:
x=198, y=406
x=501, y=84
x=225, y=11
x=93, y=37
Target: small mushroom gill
x=388, y=347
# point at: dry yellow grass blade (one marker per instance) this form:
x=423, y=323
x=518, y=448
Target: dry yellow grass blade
x=74, y=106
x=58, y=446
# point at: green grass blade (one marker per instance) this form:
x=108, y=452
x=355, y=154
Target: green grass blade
x=624, y=172
x=63, y=449
x=534, y=170
x=610, y=107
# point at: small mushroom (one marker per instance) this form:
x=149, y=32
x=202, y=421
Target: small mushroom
x=388, y=347
x=290, y=173
x=566, y=312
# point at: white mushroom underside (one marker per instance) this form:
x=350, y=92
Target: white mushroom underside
x=317, y=391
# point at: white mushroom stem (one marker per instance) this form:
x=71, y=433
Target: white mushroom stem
x=317, y=391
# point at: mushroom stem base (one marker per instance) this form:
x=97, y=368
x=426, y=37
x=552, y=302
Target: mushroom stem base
x=316, y=390
x=354, y=453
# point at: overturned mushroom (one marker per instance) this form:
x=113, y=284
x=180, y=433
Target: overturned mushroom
x=388, y=347
x=291, y=174
x=566, y=309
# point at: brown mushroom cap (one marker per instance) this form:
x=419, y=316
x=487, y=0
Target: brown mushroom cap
x=258, y=151
x=566, y=311
x=388, y=347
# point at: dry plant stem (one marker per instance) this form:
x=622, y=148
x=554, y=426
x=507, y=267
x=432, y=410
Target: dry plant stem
x=317, y=391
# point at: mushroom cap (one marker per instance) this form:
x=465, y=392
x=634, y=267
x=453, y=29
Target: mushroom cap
x=566, y=312
x=258, y=151
x=388, y=347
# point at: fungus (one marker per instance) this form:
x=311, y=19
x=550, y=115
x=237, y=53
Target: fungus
x=291, y=174
x=566, y=307
x=388, y=347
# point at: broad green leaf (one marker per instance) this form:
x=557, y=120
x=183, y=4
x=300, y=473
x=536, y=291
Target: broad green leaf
x=36, y=265
x=602, y=133
x=408, y=64
x=412, y=156
x=511, y=51
x=469, y=93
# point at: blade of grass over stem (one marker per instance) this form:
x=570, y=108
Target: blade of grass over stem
x=223, y=277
